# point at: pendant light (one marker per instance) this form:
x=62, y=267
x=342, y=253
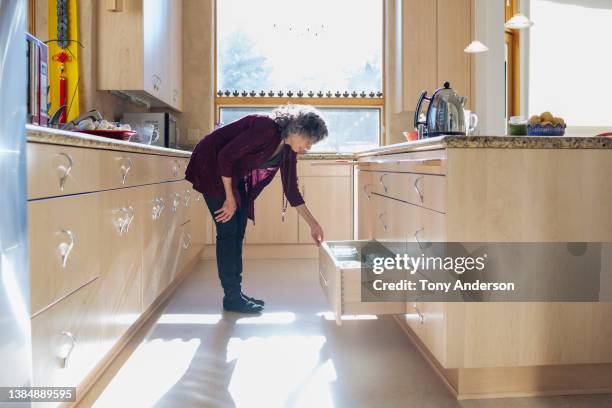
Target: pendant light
x=518, y=22
x=476, y=47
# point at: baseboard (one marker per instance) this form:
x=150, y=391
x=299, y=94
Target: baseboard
x=512, y=382
x=270, y=251
x=86, y=395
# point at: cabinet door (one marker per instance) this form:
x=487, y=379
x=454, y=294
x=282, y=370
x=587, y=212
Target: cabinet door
x=173, y=237
x=66, y=340
x=364, y=204
x=330, y=202
x=121, y=279
x=175, y=38
x=155, y=219
x=270, y=227
x=156, y=48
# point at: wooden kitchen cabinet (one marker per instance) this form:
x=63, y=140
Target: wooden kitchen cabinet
x=492, y=195
x=140, y=50
x=103, y=251
x=330, y=201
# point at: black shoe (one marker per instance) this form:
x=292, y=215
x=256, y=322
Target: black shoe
x=252, y=299
x=241, y=305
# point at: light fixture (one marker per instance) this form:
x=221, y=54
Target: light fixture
x=476, y=47
x=518, y=21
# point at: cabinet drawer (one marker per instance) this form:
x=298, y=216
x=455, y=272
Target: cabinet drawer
x=429, y=162
x=340, y=280
x=55, y=170
x=419, y=189
x=428, y=321
x=323, y=168
x=395, y=220
x=66, y=340
x=64, y=237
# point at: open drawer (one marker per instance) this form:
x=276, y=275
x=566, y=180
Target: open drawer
x=340, y=279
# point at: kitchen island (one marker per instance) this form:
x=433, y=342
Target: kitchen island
x=488, y=190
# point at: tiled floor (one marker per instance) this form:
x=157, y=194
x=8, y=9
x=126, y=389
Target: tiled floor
x=292, y=356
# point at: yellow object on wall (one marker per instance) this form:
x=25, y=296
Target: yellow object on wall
x=71, y=67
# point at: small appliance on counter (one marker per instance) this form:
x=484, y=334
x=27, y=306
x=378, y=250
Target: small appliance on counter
x=445, y=114
x=166, y=133
x=37, y=58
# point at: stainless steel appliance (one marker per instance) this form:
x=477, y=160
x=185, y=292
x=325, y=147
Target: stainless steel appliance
x=167, y=134
x=445, y=115
x=15, y=333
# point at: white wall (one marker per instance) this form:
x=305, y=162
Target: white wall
x=570, y=62
x=489, y=67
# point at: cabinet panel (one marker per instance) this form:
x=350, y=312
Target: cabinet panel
x=454, y=33
x=269, y=227
x=330, y=202
x=364, y=204
x=64, y=237
x=122, y=219
x=66, y=340
x=428, y=321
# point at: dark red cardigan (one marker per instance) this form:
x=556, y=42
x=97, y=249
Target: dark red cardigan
x=237, y=150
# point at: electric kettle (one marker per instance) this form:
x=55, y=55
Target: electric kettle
x=445, y=115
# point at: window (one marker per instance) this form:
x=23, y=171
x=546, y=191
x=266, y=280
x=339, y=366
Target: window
x=316, y=52
x=512, y=50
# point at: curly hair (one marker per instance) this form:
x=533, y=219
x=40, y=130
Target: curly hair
x=302, y=119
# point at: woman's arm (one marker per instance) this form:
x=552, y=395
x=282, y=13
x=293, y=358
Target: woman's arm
x=226, y=212
x=316, y=232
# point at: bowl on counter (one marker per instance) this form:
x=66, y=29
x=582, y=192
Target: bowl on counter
x=545, y=130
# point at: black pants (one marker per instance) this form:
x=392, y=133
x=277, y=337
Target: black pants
x=230, y=235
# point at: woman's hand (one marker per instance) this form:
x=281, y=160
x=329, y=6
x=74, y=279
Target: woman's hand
x=226, y=212
x=316, y=232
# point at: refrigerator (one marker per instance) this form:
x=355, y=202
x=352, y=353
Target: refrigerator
x=15, y=332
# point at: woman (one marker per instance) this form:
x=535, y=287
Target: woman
x=233, y=164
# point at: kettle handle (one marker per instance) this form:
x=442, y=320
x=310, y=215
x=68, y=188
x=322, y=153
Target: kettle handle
x=418, y=109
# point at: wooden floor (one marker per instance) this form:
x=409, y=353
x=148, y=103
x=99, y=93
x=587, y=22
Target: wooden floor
x=195, y=355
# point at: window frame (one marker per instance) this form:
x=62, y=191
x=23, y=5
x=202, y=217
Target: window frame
x=377, y=102
x=512, y=40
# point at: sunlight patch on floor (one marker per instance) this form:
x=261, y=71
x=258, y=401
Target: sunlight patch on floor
x=189, y=318
x=134, y=386
x=331, y=316
x=269, y=318
x=280, y=371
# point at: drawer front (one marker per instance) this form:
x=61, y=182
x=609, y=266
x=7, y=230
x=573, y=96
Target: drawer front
x=61, y=170
x=342, y=287
x=55, y=170
x=64, y=237
x=428, y=321
x=323, y=168
x=364, y=205
x=419, y=189
x=66, y=340
x=429, y=162
x=403, y=222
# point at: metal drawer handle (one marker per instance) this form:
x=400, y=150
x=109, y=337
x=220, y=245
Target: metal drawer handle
x=380, y=218
x=416, y=237
x=156, y=209
x=187, y=197
x=176, y=202
x=66, y=355
x=65, y=248
x=126, y=169
x=418, y=311
x=368, y=193
x=383, y=183
x=66, y=170
x=416, y=187
x=175, y=168
x=187, y=242
x=130, y=217
x=323, y=277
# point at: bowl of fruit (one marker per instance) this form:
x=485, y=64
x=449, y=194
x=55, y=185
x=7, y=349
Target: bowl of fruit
x=545, y=125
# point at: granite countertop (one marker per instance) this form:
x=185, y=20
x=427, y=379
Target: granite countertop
x=493, y=142
x=39, y=134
